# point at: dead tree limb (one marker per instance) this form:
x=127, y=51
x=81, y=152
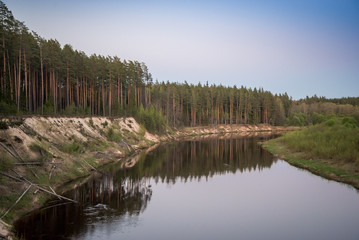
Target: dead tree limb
x=9, y=176
x=29, y=163
x=54, y=192
x=7, y=149
x=19, y=156
x=23, y=194
x=43, y=189
x=52, y=169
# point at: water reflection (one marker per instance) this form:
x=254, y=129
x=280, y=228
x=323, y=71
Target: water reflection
x=124, y=192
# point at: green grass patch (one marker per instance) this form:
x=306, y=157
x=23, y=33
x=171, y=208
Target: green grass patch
x=113, y=135
x=6, y=162
x=72, y=148
x=336, y=139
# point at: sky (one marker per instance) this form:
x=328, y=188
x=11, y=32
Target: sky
x=301, y=47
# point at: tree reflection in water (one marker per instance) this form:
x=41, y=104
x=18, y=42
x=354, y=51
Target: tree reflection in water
x=126, y=192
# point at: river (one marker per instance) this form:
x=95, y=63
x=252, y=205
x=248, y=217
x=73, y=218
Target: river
x=218, y=188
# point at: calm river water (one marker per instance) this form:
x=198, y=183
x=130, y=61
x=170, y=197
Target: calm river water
x=208, y=189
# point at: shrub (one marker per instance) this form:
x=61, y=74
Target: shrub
x=330, y=122
x=114, y=136
x=72, y=148
x=349, y=122
x=7, y=108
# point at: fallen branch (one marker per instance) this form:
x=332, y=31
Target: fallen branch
x=56, y=205
x=9, y=176
x=93, y=168
x=29, y=163
x=23, y=194
x=19, y=156
x=128, y=145
x=43, y=189
x=52, y=169
x=7, y=149
x=54, y=192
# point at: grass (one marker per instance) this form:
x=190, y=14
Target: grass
x=330, y=140
x=113, y=135
x=6, y=161
x=8, y=200
x=72, y=148
x=330, y=149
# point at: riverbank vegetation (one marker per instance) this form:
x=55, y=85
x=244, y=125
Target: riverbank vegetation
x=39, y=76
x=329, y=149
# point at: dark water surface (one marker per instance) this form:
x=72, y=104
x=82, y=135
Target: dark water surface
x=208, y=189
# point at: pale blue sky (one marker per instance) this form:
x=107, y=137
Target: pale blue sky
x=302, y=47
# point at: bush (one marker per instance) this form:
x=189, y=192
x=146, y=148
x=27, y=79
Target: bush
x=73, y=110
x=114, y=136
x=7, y=108
x=71, y=148
x=349, y=122
x=49, y=108
x=152, y=119
x=330, y=123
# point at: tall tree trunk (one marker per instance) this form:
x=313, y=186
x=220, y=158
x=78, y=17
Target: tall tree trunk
x=103, y=97
x=67, y=84
x=25, y=65
x=4, y=73
x=77, y=92
x=42, y=82
x=109, y=96
x=121, y=93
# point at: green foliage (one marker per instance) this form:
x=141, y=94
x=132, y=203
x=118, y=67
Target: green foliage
x=5, y=162
x=297, y=119
x=349, y=122
x=91, y=123
x=114, y=136
x=152, y=119
x=142, y=130
x=337, y=138
x=72, y=148
x=318, y=118
x=330, y=122
x=49, y=108
x=35, y=147
x=72, y=110
x=7, y=108
x=104, y=124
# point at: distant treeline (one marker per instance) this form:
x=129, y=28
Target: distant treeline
x=38, y=76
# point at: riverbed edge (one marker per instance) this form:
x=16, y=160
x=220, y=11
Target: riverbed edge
x=320, y=167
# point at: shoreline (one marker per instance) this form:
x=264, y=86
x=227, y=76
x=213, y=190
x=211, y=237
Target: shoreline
x=320, y=167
